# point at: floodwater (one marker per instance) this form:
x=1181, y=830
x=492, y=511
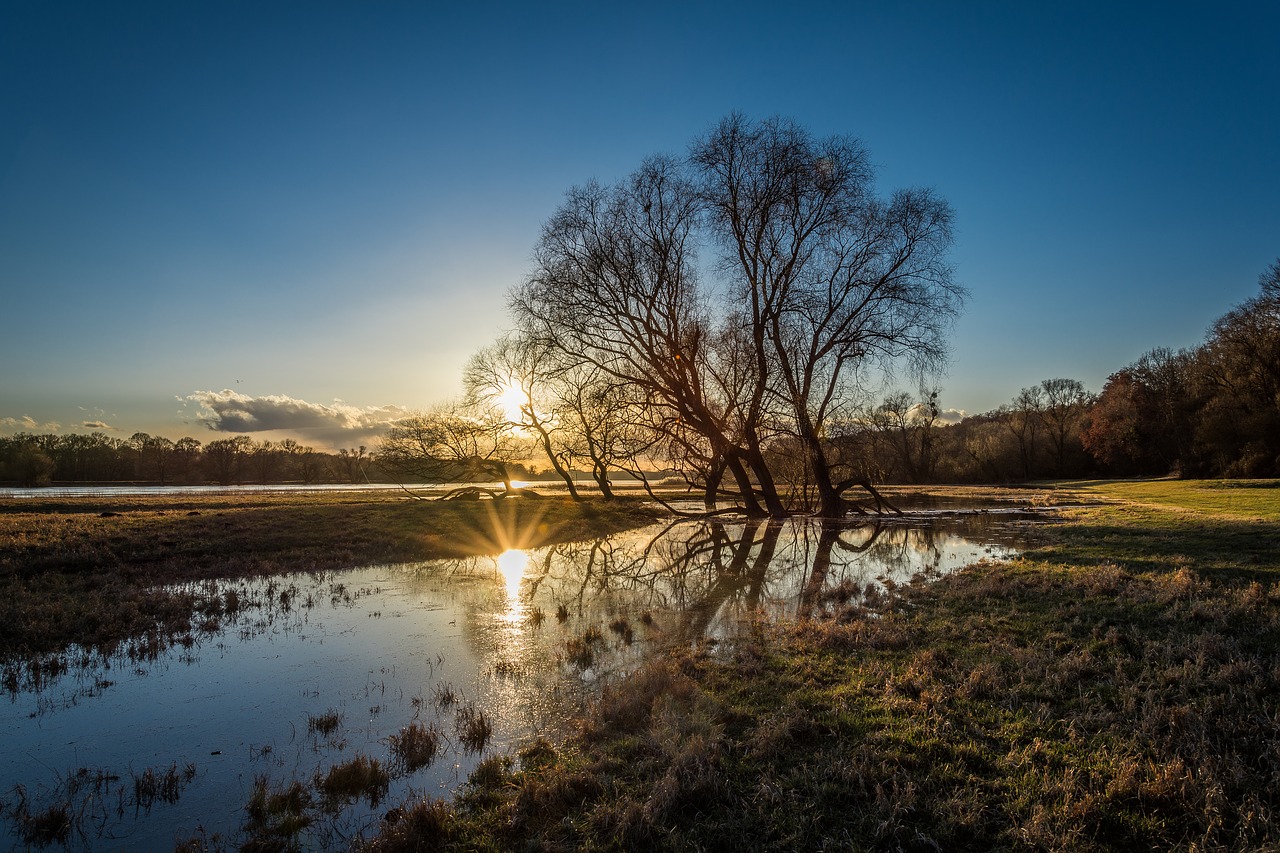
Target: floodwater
x=307, y=671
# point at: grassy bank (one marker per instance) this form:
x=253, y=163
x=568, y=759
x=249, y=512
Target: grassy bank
x=87, y=570
x=1116, y=688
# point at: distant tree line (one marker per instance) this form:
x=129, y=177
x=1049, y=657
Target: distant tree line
x=35, y=460
x=1208, y=411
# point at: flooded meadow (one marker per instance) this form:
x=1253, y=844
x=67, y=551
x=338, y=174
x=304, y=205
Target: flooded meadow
x=309, y=704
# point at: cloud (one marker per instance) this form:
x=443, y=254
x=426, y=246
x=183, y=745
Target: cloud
x=337, y=424
x=946, y=416
x=96, y=425
x=26, y=423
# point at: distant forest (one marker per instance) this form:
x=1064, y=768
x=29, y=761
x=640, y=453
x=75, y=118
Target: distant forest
x=40, y=460
x=1209, y=411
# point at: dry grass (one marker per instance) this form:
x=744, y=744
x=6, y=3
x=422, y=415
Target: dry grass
x=360, y=778
x=274, y=818
x=414, y=747
x=473, y=728
x=324, y=724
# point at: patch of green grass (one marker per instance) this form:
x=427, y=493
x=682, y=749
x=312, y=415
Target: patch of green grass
x=1247, y=500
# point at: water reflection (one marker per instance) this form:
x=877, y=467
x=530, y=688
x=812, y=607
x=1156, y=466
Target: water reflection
x=511, y=565
x=525, y=637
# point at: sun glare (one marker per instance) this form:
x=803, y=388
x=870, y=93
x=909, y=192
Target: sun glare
x=511, y=400
x=511, y=565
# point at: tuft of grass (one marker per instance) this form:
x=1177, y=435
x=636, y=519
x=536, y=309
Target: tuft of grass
x=424, y=825
x=274, y=818
x=415, y=746
x=622, y=627
x=359, y=778
x=166, y=787
x=324, y=724
x=581, y=650
x=473, y=728
x=51, y=825
x=444, y=694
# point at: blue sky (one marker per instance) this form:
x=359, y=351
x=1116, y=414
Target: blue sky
x=309, y=203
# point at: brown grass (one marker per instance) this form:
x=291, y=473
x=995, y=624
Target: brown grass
x=414, y=747
x=359, y=778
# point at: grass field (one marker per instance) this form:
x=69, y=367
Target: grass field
x=1250, y=500
x=1116, y=688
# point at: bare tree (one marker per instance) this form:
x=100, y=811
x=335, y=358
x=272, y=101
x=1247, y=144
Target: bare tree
x=820, y=282
x=1065, y=404
x=1023, y=418
x=614, y=286
x=835, y=278
x=454, y=442
x=520, y=373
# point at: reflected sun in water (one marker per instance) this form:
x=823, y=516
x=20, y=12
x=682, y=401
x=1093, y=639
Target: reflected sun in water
x=511, y=565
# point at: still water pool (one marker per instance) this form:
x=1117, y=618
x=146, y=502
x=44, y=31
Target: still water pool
x=304, y=672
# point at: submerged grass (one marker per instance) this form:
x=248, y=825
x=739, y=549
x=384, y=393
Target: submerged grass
x=1116, y=688
x=90, y=571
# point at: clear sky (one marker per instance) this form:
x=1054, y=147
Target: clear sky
x=311, y=213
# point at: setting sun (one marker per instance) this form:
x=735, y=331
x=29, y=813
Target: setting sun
x=511, y=401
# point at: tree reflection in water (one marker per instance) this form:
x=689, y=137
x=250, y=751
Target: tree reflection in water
x=708, y=575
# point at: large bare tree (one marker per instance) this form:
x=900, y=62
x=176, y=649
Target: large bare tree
x=836, y=279
x=818, y=282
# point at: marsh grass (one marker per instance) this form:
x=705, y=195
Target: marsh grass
x=359, y=778
x=622, y=627
x=1116, y=688
x=581, y=650
x=473, y=728
x=275, y=817
x=150, y=787
x=83, y=801
x=414, y=747
x=324, y=724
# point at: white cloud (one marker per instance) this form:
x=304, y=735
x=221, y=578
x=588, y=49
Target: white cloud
x=26, y=423
x=96, y=425
x=337, y=424
x=946, y=416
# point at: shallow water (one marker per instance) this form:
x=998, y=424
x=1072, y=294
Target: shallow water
x=525, y=637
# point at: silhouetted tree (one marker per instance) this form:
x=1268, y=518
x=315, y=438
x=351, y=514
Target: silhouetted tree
x=822, y=281
x=520, y=372
x=225, y=459
x=454, y=442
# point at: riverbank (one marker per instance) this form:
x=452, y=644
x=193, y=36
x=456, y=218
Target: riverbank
x=88, y=570
x=1115, y=688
